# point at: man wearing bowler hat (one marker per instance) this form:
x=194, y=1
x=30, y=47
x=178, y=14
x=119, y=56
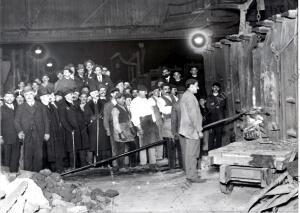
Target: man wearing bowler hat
x=75, y=133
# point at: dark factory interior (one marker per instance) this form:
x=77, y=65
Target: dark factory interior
x=149, y=106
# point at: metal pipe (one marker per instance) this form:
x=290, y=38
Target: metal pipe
x=208, y=126
x=114, y=158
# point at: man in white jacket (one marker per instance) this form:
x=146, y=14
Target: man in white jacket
x=144, y=119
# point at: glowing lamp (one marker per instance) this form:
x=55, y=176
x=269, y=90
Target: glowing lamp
x=198, y=40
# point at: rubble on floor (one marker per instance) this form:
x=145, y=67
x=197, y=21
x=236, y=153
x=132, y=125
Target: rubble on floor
x=281, y=194
x=47, y=192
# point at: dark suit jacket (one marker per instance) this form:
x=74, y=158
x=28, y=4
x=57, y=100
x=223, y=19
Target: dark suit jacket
x=55, y=145
x=80, y=82
x=72, y=120
x=94, y=83
x=175, y=118
x=202, y=91
x=35, y=117
x=8, y=129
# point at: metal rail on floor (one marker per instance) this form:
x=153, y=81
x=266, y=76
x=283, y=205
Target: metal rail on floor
x=101, y=162
x=206, y=127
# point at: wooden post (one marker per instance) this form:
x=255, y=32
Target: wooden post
x=13, y=67
x=1, y=89
x=21, y=65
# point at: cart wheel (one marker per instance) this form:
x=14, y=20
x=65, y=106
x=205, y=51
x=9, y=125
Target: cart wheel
x=226, y=188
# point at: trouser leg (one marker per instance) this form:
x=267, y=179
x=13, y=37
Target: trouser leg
x=211, y=140
x=15, y=157
x=151, y=154
x=192, y=150
x=143, y=153
x=21, y=161
x=113, y=149
x=171, y=152
x=7, y=149
x=28, y=157
x=72, y=155
x=218, y=136
x=82, y=157
x=205, y=140
x=159, y=152
x=179, y=153
x=132, y=158
x=38, y=159
x=120, y=149
x=182, y=144
x=90, y=157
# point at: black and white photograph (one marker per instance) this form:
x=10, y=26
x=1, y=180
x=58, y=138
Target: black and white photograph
x=149, y=106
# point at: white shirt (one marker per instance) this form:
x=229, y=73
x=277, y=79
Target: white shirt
x=140, y=107
x=95, y=101
x=99, y=77
x=114, y=102
x=11, y=106
x=152, y=102
x=82, y=106
x=168, y=79
x=31, y=103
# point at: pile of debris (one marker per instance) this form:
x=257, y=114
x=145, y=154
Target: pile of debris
x=47, y=192
x=281, y=194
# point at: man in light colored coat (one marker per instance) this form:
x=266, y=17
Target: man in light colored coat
x=191, y=129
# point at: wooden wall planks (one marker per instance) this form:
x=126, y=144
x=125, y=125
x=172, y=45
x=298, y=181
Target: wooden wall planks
x=250, y=64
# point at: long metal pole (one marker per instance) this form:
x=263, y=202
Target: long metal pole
x=114, y=158
x=208, y=126
x=74, y=153
x=97, y=153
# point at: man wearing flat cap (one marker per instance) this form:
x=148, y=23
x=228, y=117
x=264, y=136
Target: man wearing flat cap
x=66, y=83
x=79, y=78
x=46, y=84
x=143, y=118
x=9, y=133
x=123, y=133
x=216, y=107
x=200, y=78
x=33, y=128
x=191, y=129
x=108, y=121
x=155, y=90
x=165, y=104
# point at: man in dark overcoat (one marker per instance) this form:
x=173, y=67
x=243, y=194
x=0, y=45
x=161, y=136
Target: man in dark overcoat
x=72, y=119
x=33, y=128
x=9, y=133
x=99, y=141
x=55, y=145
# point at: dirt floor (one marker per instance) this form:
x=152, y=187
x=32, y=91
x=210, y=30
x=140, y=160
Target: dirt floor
x=162, y=191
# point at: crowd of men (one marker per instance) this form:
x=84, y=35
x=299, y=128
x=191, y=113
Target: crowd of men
x=84, y=117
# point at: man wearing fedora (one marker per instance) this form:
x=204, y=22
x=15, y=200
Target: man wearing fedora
x=33, y=128
x=216, y=107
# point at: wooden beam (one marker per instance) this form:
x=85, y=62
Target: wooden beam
x=93, y=13
x=13, y=197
